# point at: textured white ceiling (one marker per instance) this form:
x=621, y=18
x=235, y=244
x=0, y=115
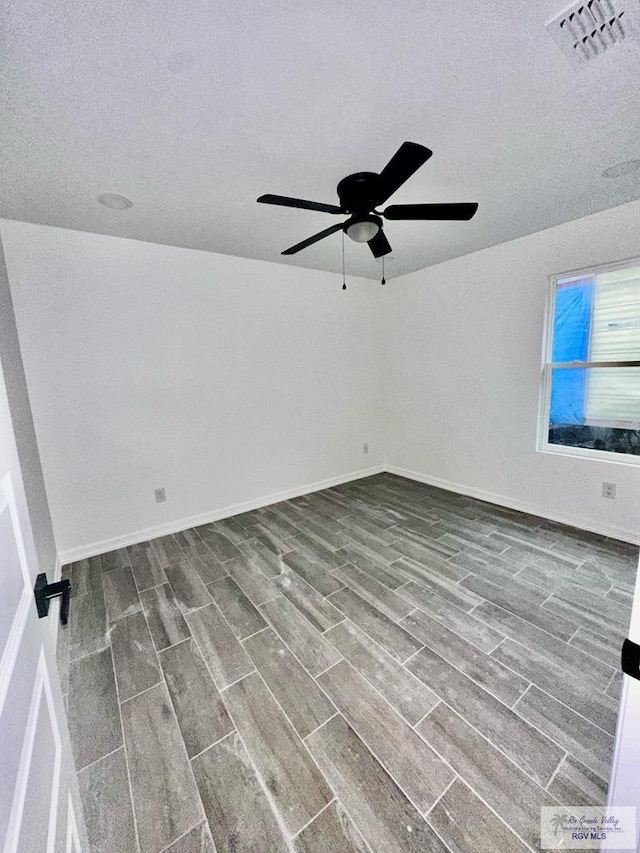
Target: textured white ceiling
x=193, y=108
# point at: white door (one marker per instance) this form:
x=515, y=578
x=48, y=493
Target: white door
x=39, y=807
x=624, y=786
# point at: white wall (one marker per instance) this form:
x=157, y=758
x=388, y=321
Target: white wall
x=16, y=420
x=229, y=381
x=464, y=347
x=222, y=379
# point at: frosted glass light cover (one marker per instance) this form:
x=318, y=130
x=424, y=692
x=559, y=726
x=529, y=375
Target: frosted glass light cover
x=362, y=232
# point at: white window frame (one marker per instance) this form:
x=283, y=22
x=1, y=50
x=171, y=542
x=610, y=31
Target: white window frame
x=544, y=446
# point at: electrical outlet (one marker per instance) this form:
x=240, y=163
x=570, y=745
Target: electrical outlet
x=609, y=490
x=161, y=495
x=365, y=448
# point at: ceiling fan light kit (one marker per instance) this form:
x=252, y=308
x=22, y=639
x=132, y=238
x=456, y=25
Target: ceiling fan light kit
x=362, y=229
x=361, y=193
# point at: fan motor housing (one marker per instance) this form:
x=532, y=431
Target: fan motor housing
x=359, y=193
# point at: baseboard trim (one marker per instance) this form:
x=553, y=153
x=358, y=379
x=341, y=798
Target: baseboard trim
x=82, y=552
x=471, y=492
x=91, y=549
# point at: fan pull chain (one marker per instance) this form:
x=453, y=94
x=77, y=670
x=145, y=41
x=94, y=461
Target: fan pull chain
x=384, y=281
x=344, y=283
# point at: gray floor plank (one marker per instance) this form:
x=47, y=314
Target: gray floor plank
x=206, y=564
x=572, y=659
x=434, y=562
x=605, y=648
x=598, y=572
x=396, y=640
x=529, y=555
x=433, y=568
x=88, y=625
x=374, y=564
x=469, y=826
x=576, y=785
x=460, y=537
x=235, y=802
x=243, y=618
x=118, y=559
x=327, y=533
x=317, y=610
x=85, y=576
x=226, y=660
x=165, y=618
x=525, y=745
x=385, y=817
x=251, y=581
x=384, y=599
x=463, y=538
x=511, y=793
x=287, y=511
x=307, y=644
x=478, y=562
x=467, y=625
x=188, y=588
x=167, y=550
x=313, y=573
x=165, y=798
x=299, y=696
x=522, y=604
x=332, y=831
x=614, y=687
x=246, y=519
x=201, y=714
x=297, y=788
x=120, y=594
x=145, y=566
x=134, y=656
x=94, y=718
x=264, y=560
x=599, y=614
x=567, y=586
x=402, y=690
x=424, y=543
x=408, y=760
x=271, y=539
x=222, y=548
x=445, y=586
x=450, y=591
x=587, y=742
x=376, y=531
x=188, y=538
x=506, y=685
x=106, y=804
x=197, y=840
x=232, y=529
x=578, y=694
x=317, y=553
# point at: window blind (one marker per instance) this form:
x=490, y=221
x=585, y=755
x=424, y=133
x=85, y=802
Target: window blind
x=613, y=394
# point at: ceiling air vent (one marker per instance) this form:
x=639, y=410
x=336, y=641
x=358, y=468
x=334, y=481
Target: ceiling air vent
x=586, y=30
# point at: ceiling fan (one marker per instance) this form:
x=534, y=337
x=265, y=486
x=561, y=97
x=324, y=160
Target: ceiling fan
x=360, y=194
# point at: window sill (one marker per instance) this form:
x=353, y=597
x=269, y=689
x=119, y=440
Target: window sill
x=626, y=459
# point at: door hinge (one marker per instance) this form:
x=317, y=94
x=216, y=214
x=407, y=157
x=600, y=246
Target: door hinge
x=630, y=659
x=44, y=592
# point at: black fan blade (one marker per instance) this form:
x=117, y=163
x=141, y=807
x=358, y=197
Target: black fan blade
x=285, y=201
x=407, y=160
x=462, y=211
x=314, y=239
x=379, y=245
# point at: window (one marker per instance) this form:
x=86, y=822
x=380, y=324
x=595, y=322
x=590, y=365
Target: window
x=592, y=371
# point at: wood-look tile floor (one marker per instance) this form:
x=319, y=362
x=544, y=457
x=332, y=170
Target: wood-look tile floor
x=382, y=667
